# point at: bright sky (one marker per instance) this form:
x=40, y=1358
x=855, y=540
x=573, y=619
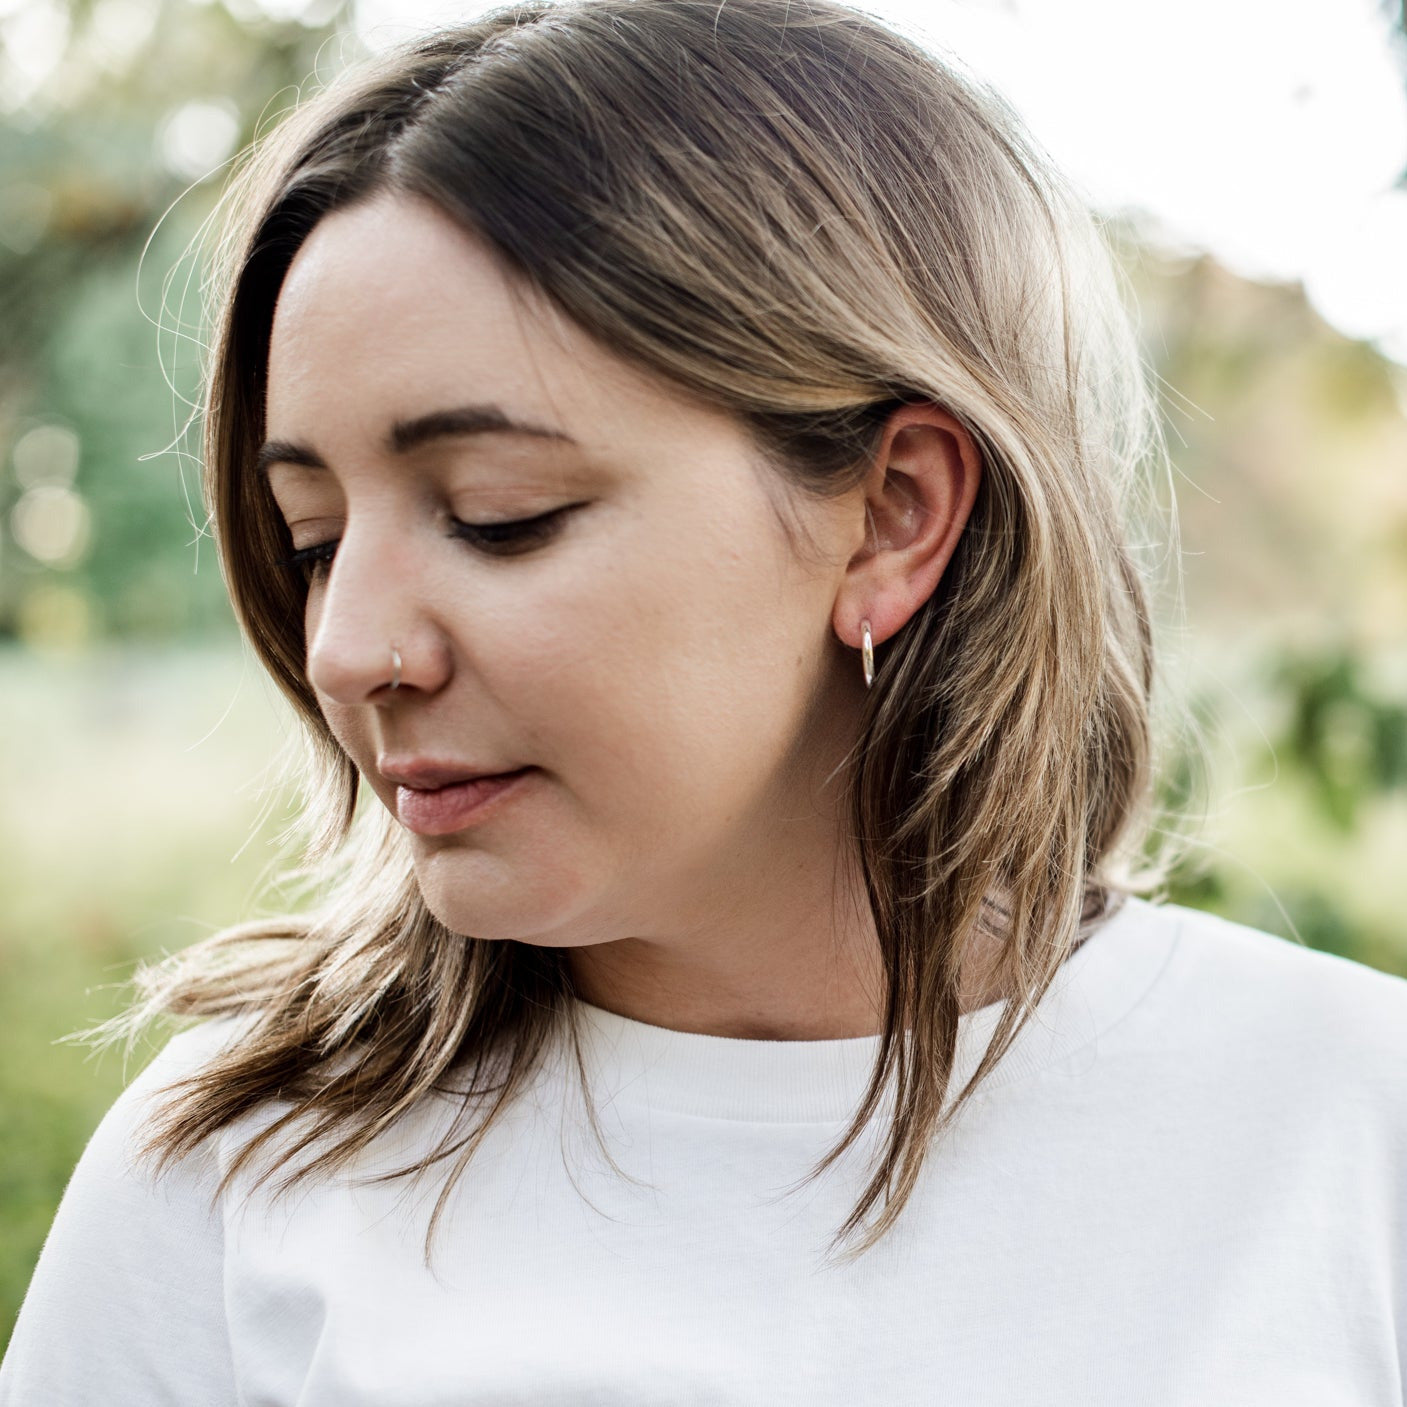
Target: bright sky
x=1267, y=131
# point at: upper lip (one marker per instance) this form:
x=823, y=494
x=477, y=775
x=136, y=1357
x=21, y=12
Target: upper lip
x=424, y=774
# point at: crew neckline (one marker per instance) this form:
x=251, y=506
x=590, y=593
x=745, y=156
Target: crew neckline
x=630, y=1062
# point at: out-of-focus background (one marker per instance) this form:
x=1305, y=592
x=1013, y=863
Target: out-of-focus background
x=1251, y=159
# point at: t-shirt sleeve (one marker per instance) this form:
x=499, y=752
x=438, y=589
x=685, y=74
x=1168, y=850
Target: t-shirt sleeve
x=126, y=1304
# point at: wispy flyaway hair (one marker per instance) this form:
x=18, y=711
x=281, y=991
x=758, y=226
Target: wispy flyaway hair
x=806, y=219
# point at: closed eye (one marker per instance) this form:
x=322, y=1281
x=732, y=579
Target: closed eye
x=516, y=531
x=497, y=539
x=513, y=537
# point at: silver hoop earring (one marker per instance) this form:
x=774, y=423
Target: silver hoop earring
x=867, y=652
x=395, y=668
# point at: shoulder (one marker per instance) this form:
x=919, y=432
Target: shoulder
x=112, y=1176
x=1272, y=970
x=126, y=1305
x=189, y=1050
x=183, y=1055
x=1235, y=987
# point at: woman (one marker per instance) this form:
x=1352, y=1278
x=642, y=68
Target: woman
x=682, y=463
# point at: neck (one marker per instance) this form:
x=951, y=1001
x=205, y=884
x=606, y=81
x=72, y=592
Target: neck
x=818, y=975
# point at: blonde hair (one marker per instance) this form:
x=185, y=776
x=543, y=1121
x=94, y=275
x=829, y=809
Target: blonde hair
x=806, y=219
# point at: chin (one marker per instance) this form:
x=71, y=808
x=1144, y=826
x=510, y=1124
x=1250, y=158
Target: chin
x=477, y=900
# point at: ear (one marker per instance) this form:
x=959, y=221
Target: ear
x=909, y=512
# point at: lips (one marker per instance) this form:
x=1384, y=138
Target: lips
x=458, y=805
x=425, y=775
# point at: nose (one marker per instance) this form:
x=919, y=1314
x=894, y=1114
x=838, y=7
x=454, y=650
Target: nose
x=372, y=605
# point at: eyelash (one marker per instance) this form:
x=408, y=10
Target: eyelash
x=519, y=535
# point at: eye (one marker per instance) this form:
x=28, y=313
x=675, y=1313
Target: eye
x=503, y=539
x=517, y=535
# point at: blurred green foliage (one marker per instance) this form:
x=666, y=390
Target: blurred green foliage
x=130, y=818
x=107, y=173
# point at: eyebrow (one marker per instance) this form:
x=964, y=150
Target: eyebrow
x=406, y=435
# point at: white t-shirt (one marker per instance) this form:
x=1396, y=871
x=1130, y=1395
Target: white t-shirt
x=1186, y=1184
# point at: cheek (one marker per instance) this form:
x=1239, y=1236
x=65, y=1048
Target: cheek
x=349, y=727
x=655, y=684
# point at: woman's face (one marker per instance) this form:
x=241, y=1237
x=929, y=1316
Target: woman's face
x=655, y=652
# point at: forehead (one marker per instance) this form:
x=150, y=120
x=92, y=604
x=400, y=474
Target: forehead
x=390, y=309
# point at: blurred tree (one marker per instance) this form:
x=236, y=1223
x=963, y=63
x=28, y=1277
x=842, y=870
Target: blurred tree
x=109, y=163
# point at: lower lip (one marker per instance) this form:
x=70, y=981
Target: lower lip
x=453, y=808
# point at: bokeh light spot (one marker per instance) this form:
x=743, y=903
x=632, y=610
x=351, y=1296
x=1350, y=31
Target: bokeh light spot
x=47, y=454
x=197, y=137
x=53, y=524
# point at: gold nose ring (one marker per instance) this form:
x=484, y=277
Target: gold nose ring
x=395, y=668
